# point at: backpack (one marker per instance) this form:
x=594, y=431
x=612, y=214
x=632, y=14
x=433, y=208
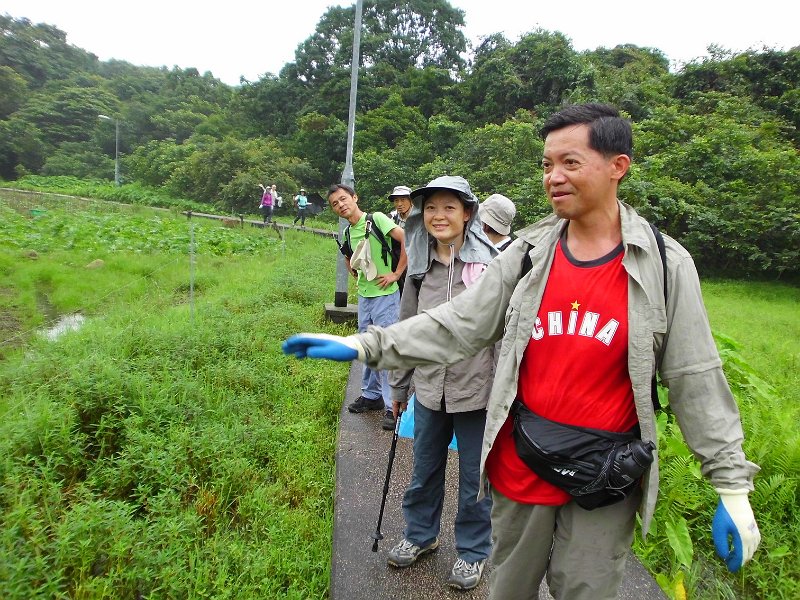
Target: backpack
x=390, y=253
x=662, y=250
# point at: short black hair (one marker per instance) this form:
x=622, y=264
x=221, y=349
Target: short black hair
x=609, y=133
x=335, y=187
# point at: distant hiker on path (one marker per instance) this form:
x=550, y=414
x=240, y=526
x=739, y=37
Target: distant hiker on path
x=301, y=203
x=277, y=201
x=267, y=203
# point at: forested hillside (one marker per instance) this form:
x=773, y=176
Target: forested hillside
x=716, y=160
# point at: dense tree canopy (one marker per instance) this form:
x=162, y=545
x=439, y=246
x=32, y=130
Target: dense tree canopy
x=715, y=159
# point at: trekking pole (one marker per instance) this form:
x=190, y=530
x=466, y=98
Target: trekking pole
x=377, y=536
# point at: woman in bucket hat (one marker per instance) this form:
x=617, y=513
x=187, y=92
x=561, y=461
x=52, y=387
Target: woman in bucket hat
x=447, y=251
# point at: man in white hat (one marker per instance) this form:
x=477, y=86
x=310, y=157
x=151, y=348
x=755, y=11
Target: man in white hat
x=496, y=214
x=401, y=196
x=403, y=208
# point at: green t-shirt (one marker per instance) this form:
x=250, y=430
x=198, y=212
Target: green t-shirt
x=371, y=289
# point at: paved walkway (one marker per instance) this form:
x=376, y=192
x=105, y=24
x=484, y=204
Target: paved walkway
x=275, y=225
x=357, y=573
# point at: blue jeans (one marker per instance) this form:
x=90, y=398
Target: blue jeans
x=422, y=503
x=382, y=311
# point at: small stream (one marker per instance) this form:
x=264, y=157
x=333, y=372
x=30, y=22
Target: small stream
x=57, y=324
x=63, y=325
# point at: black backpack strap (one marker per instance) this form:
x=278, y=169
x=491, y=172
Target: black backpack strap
x=527, y=265
x=347, y=248
x=662, y=251
x=386, y=251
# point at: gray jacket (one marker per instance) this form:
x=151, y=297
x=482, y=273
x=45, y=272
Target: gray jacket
x=501, y=305
x=463, y=386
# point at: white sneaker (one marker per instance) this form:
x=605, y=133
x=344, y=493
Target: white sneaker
x=466, y=576
x=406, y=553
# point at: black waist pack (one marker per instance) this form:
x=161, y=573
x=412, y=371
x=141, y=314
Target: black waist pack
x=595, y=467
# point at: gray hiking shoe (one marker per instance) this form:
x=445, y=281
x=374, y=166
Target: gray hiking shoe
x=406, y=553
x=364, y=404
x=464, y=575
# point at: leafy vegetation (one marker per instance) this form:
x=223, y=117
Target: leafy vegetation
x=716, y=161
x=762, y=371
x=169, y=449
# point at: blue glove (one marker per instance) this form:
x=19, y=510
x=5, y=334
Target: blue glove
x=321, y=345
x=734, y=519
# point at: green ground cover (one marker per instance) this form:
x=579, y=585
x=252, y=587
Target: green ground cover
x=757, y=327
x=168, y=449
x=161, y=451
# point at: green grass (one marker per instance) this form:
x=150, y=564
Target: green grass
x=168, y=449
x=757, y=326
x=765, y=319
x=160, y=451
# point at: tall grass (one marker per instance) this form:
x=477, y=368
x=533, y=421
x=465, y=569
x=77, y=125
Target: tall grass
x=757, y=328
x=158, y=454
x=169, y=450
x=764, y=318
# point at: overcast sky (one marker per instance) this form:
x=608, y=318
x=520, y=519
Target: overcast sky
x=250, y=38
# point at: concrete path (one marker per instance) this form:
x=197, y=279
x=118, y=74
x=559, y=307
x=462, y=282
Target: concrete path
x=274, y=225
x=357, y=573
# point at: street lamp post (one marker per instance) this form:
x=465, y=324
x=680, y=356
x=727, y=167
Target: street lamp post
x=340, y=311
x=348, y=176
x=116, y=146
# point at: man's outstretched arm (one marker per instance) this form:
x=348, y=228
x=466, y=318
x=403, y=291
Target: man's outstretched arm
x=322, y=345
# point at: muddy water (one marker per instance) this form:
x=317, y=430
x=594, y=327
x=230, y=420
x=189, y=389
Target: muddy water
x=63, y=325
x=57, y=325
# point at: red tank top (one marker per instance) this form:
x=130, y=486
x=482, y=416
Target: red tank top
x=575, y=368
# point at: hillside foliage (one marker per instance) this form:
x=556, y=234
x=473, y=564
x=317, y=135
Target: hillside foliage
x=715, y=160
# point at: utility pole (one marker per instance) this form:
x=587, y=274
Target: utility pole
x=116, y=146
x=341, y=312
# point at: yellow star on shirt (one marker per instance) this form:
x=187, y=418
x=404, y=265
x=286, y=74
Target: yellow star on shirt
x=575, y=305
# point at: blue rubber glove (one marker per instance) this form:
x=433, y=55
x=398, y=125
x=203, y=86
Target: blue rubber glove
x=322, y=345
x=734, y=523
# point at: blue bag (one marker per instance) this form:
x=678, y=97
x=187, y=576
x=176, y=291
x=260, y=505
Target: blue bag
x=407, y=423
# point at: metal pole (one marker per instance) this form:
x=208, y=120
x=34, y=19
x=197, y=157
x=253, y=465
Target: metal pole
x=116, y=153
x=378, y=536
x=348, y=176
x=191, y=268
